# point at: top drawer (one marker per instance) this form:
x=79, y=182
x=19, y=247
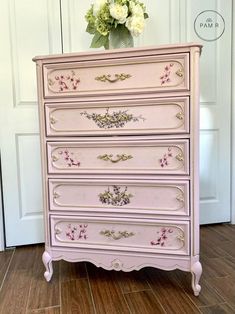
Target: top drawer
x=145, y=74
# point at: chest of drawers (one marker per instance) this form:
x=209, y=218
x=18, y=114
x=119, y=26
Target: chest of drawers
x=119, y=145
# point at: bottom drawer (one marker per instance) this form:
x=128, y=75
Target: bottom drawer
x=171, y=237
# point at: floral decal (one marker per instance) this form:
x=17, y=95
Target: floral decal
x=116, y=235
x=68, y=157
x=65, y=83
x=165, y=77
x=116, y=119
x=162, y=236
x=164, y=161
x=76, y=232
x=116, y=197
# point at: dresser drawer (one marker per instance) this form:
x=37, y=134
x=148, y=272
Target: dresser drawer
x=155, y=116
x=168, y=237
x=130, y=156
x=156, y=197
x=142, y=74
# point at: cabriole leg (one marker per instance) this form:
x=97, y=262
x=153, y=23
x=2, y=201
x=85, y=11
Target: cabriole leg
x=47, y=261
x=196, y=274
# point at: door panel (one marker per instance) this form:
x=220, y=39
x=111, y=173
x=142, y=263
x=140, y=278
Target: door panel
x=75, y=37
x=25, y=35
x=177, y=18
x=215, y=113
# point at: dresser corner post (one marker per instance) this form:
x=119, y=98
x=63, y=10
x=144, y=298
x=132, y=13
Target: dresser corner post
x=47, y=261
x=196, y=270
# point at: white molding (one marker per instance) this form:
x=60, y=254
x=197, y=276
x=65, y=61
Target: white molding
x=2, y=244
x=233, y=121
x=174, y=21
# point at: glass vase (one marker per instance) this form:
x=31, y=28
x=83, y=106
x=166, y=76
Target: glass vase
x=120, y=37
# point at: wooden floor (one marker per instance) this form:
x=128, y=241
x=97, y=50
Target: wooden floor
x=83, y=288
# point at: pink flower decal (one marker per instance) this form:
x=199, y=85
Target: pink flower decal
x=76, y=232
x=164, y=161
x=165, y=77
x=161, y=236
x=66, y=82
x=68, y=157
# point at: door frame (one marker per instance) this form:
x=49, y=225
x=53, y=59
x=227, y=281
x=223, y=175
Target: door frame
x=233, y=120
x=2, y=240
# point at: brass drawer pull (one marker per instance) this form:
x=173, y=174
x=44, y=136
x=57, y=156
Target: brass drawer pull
x=116, y=235
x=117, y=77
x=118, y=158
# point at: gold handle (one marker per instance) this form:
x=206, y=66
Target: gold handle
x=117, y=77
x=180, y=157
x=180, y=72
x=107, y=157
x=180, y=115
x=116, y=235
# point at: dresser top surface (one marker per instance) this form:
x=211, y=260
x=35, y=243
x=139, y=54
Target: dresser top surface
x=118, y=53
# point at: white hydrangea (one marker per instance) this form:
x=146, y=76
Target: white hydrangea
x=119, y=12
x=97, y=6
x=136, y=9
x=135, y=24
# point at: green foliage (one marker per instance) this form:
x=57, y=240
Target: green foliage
x=99, y=40
x=90, y=29
x=104, y=16
x=146, y=15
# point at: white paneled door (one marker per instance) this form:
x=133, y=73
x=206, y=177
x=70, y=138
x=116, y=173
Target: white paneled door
x=210, y=22
x=27, y=28
x=31, y=27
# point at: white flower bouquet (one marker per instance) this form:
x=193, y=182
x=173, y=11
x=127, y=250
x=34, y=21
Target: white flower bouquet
x=125, y=17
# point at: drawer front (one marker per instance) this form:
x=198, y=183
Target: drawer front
x=154, y=156
x=165, y=116
x=152, y=73
x=118, y=196
x=162, y=237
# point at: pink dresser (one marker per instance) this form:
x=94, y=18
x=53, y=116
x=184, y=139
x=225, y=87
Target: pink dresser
x=119, y=144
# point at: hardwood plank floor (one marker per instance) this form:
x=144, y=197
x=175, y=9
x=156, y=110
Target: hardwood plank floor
x=76, y=297
x=5, y=258
x=16, y=286
x=85, y=289
x=43, y=294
